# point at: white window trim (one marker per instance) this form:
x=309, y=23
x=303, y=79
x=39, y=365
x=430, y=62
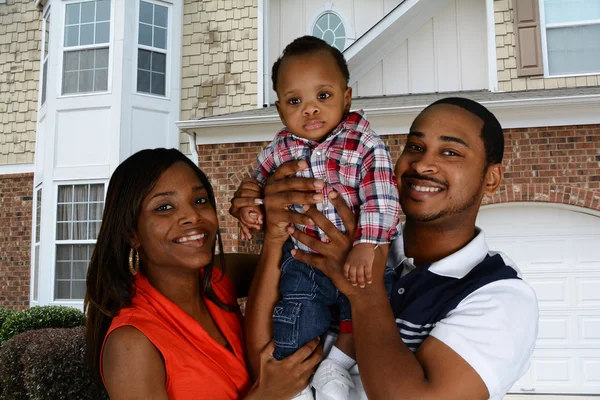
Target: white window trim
x=61, y=50
x=544, y=27
x=34, y=231
x=55, y=242
x=330, y=8
x=45, y=20
x=168, y=50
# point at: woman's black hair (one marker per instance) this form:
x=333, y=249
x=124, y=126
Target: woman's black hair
x=309, y=45
x=110, y=285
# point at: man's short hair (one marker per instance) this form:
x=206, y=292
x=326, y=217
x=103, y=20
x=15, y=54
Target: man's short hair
x=491, y=133
x=309, y=45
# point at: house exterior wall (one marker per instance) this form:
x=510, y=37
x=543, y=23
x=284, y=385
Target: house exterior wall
x=507, y=63
x=544, y=164
x=20, y=41
x=220, y=59
x=15, y=239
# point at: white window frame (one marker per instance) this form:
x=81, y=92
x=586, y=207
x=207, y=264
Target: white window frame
x=55, y=242
x=44, y=60
x=543, y=29
x=167, y=51
x=63, y=49
x=331, y=8
x=36, y=240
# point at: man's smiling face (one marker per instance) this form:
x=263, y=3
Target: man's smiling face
x=442, y=171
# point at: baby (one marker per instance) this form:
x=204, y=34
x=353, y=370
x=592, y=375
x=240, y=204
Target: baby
x=311, y=81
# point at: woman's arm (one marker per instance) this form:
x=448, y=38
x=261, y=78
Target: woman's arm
x=133, y=367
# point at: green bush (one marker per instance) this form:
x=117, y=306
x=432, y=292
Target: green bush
x=12, y=386
x=54, y=367
x=4, y=314
x=40, y=317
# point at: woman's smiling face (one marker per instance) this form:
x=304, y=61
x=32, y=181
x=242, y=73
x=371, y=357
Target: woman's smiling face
x=176, y=225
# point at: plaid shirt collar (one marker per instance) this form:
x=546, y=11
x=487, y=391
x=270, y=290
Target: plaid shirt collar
x=354, y=121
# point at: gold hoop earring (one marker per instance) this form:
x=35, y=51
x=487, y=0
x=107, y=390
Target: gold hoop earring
x=134, y=267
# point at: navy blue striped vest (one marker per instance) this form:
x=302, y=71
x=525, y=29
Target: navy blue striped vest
x=421, y=298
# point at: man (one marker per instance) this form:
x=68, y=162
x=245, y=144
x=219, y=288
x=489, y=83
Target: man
x=459, y=323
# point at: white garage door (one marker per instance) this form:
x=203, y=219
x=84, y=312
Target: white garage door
x=558, y=250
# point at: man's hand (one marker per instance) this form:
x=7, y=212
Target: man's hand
x=284, y=189
x=332, y=256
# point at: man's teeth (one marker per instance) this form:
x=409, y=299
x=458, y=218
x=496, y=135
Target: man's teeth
x=188, y=238
x=425, y=188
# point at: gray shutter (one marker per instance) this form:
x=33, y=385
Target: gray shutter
x=527, y=33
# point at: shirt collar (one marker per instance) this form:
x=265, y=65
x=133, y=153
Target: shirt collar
x=456, y=265
x=355, y=121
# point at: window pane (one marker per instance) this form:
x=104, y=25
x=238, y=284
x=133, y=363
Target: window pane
x=63, y=212
x=63, y=253
x=103, y=10
x=144, y=59
x=102, y=32
x=143, y=81
x=80, y=212
x=145, y=12
x=160, y=16
x=71, y=61
x=145, y=36
x=101, y=80
x=96, y=211
x=72, y=14
x=72, y=35
x=86, y=81
x=63, y=270
x=81, y=193
x=323, y=22
x=159, y=61
x=160, y=38
x=94, y=229
x=78, y=290
x=44, y=81
x=62, y=290
x=36, y=272
x=63, y=231
x=81, y=252
x=87, y=59
x=339, y=44
x=101, y=58
x=65, y=193
x=574, y=50
x=559, y=11
x=80, y=231
x=69, y=84
x=158, y=84
x=97, y=191
x=87, y=34
x=79, y=270
x=38, y=215
x=88, y=11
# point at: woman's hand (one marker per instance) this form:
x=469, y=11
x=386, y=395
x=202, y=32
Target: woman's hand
x=283, y=189
x=283, y=379
x=332, y=256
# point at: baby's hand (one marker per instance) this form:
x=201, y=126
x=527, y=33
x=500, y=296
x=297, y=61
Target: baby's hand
x=359, y=264
x=251, y=219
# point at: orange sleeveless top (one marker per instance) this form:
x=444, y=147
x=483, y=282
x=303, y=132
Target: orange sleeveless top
x=197, y=367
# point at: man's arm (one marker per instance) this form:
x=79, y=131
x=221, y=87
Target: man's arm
x=387, y=367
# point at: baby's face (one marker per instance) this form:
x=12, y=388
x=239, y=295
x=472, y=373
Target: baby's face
x=312, y=95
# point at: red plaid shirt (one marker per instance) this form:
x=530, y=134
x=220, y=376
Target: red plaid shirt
x=353, y=161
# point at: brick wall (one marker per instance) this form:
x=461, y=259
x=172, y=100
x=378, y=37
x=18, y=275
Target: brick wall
x=220, y=52
x=507, y=63
x=558, y=164
x=20, y=45
x=15, y=239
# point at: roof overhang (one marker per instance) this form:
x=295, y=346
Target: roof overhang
x=385, y=36
x=512, y=110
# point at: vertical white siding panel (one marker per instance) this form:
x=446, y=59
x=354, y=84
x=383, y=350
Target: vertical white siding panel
x=395, y=71
x=292, y=21
x=366, y=14
x=473, y=43
x=421, y=60
x=446, y=49
x=372, y=83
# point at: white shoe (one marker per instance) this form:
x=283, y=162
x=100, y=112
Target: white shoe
x=332, y=381
x=305, y=394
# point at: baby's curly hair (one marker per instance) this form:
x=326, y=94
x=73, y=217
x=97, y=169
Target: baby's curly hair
x=308, y=45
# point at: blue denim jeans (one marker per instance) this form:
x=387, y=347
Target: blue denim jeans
x=303, y=313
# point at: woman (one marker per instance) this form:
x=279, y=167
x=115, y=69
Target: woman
x=163, y=321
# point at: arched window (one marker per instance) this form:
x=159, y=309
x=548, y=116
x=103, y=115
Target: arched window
x=330, y=28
